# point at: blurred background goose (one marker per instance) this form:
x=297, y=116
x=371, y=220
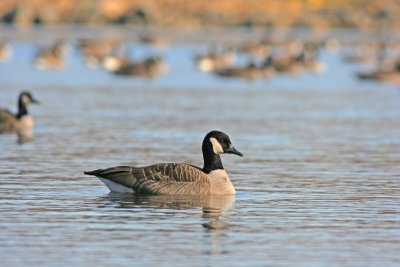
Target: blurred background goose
x=387, y=75
x=250, y=72
x=94, y=51
x=150, y=68
x=5, y=51
x=215, y=60
x=52, y=57
x=176, y=178
x=20, y=123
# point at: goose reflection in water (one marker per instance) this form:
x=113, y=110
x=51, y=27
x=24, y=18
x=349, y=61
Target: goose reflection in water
x=213, y=206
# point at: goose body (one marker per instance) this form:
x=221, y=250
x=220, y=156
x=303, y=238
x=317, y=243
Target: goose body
x=150, y=68
x=260, y=49
x=20, y=123
x=251, y=71
x=176, y=178
x=381, y=75
x=387, y=75
x=95, y=51
x=53, y=57
x=5, y=51
x=215, y=61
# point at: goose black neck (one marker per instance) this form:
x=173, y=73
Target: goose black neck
x=212, y=161
x=22, y=110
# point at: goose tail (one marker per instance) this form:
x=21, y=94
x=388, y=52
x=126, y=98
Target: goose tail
x=117, y=179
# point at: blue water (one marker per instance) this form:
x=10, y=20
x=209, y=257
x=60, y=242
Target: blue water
x=318, y=184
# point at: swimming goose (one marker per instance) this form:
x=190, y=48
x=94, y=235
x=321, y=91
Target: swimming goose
x=94, y=51
x=52, y=57
x=22, y=122
x=5, y=51
x=214, y=61
x=385, y=75
x=254, y=48
x=250, y=72
x=150, y=68
x=290, y=65
x=176, y=178
x=153, y=40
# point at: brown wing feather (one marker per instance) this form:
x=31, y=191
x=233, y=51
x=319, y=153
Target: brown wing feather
x=8, y=122
x=159, y=179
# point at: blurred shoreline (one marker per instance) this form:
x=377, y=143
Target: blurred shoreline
x=179, y=34
x=311, y=14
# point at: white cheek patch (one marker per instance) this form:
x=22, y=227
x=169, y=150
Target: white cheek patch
x=25, y=99
x=217, y=148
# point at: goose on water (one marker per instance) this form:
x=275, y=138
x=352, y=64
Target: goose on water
x=52, y=57
x=176, y=178
x=20, y=123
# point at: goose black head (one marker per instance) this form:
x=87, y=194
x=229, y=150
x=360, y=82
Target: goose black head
x=219, y=143
x=26, y=98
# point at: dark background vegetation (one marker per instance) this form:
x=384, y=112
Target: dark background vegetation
x=192, y=13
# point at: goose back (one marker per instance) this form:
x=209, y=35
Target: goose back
x=159, y=179
x=8, y=122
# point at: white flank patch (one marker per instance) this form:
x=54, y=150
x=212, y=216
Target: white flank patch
x=111, y=63
x=206, y=64
x=114, y=187
x=217, y=148
x=320, y=67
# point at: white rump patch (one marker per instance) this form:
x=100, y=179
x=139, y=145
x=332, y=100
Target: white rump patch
x=114, y=187
x=217, y=148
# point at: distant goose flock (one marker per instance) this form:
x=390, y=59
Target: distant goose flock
x=250, y=60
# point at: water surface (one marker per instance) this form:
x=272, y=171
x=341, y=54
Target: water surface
x=318, y=185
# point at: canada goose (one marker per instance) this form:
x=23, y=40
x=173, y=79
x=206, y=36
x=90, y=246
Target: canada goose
x=22, y=122
x=363, y=53
x=251, y=71
x=153, y=40
x=94, y=51
x=291, y=65
x=310, y=60
x=260, y=49
x=176, y=178
x=214, y=61
x=385, y=75
x=5, y=51
x=53, y=57
x=150, y=68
